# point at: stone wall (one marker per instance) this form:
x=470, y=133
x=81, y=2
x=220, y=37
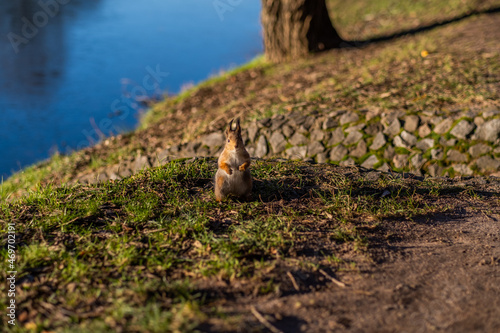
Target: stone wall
x=431, y=143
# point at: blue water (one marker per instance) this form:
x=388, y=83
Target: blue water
x=79, y=69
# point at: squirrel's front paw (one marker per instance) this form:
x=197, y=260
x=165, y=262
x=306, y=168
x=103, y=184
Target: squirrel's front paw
x=244, y=166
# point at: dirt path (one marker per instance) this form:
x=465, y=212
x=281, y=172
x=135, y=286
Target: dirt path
x=438, y=275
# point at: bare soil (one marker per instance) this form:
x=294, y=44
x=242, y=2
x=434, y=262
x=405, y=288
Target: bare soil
x=439, y=273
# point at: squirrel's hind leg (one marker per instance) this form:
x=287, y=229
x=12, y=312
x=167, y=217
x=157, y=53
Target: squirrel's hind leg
x=219, y=184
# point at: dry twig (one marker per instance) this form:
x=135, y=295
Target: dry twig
x=294, y=282
x=264, y=321
x=334, y=280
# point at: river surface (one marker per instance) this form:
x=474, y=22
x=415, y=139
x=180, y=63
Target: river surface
x=72, y=71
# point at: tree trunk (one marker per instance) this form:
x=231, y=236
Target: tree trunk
x=293, y=28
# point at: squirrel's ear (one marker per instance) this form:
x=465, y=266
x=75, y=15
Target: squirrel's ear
x=238, y=128
x=230, y=127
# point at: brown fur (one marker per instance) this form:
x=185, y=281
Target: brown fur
x=233, y=177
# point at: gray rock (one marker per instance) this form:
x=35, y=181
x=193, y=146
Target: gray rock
x=296, y=152
x=355, y=128
x=456, y=156
x=489, y=131
x=348, y=162
x=112, y=176
x=114, y=172
x=447, y=143
x=399, y=142
x=277, y=142
x=435, y=170
x=266, y=122
x=278, y=122
x=378, y=142
x=371, y=114
x=349, y=117
x=322, y=158
x=261, y=149
x=444, y=126
x=384, y=167
x=462, y=129
x=318, y=123
x=315, y=148
x=309, y=122
x=424, y=131
x=389, y=153
x=374, y=129
x=163, y=157
x=393, y=128
x=296, y=119
x=370, y=162
x=175, y=150
x=410, y=139
x=479, y=149
x=437, y=154
x=479, y=121
x=336, y=113
x=352, y=138
x=463, y=169
x=434, y=120
x=297, y=139
x=252, y=130
x=425, y=144
x=140, y=163
x=487, y=164
x=360, y=149
x=400, y=161
x=101, y=177
x=389, y=117
x=125, y=172
x=490, y=113
x=213, y=139
x=338, y=153
x=304, y=126
x=87, y=179
x=417, y=161
x=190, y=149
x=411, y=123
x=203, y=152
x=288, y=131
x=337, y=137
x=330, y=123
x=317, y=135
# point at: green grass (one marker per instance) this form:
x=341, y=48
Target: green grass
x=142, y=249
x=360, y=19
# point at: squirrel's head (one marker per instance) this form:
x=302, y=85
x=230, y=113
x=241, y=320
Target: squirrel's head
x=233, y=134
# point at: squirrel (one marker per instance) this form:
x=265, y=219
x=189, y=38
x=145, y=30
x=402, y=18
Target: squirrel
x=233, y=176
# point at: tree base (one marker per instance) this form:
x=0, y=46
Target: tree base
x=294, y=28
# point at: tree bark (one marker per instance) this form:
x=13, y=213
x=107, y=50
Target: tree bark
x=294, y=28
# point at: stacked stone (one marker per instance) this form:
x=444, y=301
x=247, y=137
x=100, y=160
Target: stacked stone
x=430, y=143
